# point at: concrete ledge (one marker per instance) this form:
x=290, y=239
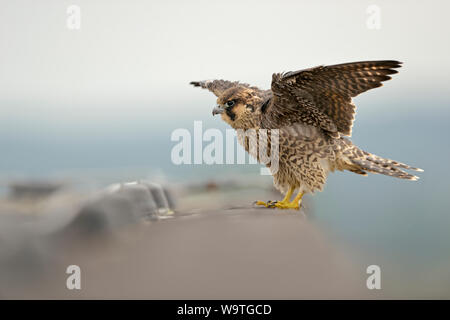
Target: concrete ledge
x=230, y=254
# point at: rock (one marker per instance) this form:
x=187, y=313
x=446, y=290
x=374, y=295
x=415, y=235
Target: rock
x=170, y=199
x=161, y=196
x=33, y=189
x=119, y=205
x=103, y=213
x=143, y=200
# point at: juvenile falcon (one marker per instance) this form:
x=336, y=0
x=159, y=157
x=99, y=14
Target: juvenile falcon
x=313, y=112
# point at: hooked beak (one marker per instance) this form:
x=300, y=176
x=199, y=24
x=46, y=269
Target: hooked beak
x=217, y=110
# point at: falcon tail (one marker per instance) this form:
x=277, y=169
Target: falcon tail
x=362, y=161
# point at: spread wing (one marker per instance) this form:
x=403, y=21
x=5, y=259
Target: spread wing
x=322, y=96
x=218, y=86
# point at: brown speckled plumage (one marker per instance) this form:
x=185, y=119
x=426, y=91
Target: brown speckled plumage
x=313, y=111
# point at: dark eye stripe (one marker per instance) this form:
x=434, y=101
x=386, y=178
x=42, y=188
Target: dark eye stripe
x=230, y=113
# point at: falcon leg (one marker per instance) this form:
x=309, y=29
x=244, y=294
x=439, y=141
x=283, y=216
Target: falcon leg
x=295, y=204
x=277, y=204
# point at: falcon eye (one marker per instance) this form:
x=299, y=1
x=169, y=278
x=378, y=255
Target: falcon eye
x=230, y=103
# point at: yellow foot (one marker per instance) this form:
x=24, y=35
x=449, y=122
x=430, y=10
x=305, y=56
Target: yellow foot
x=279, y=204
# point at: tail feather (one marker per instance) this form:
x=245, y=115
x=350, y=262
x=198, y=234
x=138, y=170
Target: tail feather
x=365, y=161
x=389, y=162
x=388, y=170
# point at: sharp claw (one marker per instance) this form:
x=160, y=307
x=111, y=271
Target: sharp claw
x=260, y=203
x=277, y=204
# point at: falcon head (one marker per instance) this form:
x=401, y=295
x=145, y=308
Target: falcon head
x=237, y=106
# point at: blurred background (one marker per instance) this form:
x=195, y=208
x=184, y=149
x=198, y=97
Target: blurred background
x=97, y=105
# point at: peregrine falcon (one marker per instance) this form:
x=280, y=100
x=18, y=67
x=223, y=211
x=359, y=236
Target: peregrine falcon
x=313, y=112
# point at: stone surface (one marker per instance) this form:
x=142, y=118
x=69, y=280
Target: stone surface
x=33, y=189
x=119, y=205
x=234, y=254
x=129, y=243
x=161, y=196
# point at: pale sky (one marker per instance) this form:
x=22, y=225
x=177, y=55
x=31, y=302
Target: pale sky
x=150, y=50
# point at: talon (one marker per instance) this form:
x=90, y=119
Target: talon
x=278, y=204
x=268, y=204
x=271, y=203
x=261, y=203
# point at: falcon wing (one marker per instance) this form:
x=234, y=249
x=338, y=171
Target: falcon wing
x=322, y=96
x=218, y=86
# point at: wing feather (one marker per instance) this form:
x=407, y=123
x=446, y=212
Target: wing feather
x=325, y=92
x=218, y=86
